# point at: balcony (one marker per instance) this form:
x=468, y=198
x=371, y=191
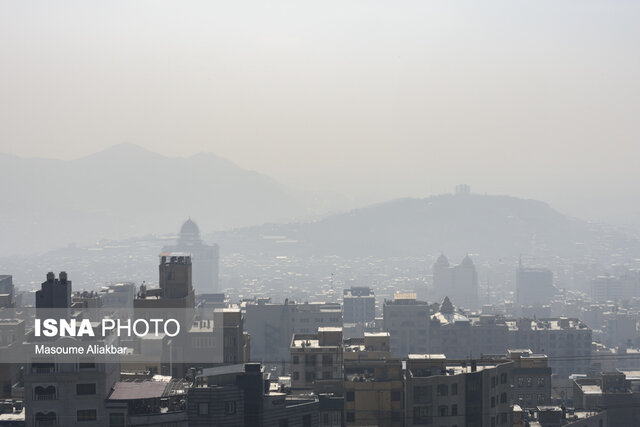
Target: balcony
x=45, y=393
x=45, y=397
x=43, y=368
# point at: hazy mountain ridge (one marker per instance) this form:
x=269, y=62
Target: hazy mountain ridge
x=454, y=224
x=127, y=190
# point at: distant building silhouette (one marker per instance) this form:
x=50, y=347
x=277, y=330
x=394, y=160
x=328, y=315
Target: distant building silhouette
x=54, y=293
x=534, y=286
x=458, y=282
x=7, y=293
x=205, y=258
x=359, y=305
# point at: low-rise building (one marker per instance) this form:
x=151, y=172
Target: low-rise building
x=618, y=393
x=241, y=394
x=316, y=361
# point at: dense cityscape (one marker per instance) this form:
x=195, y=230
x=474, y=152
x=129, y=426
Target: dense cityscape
x=363, y=213
x=330, y=341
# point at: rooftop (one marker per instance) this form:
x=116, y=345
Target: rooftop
x=133, y=390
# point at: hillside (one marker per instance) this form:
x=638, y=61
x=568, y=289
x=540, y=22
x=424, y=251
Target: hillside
x=455, y=224
x=126, y=191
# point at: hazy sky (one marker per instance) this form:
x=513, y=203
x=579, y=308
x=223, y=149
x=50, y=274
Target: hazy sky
x=377, y=98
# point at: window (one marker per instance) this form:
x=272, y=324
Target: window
x=327, y=360
x=325, y=419
x=540, y=381
x=503, y=378
x=503, y=398
x=493, y=421
x=326, y=375
x=503, y=418
x=116, y=420
x=454, y=389
x=87, y=363
x=86, y=415
x=443, y=390
x=454, y=410
x=309, y=376
x=422, y=394
x=230, y=407
x=203, y=409
x=296, y=360
x=443, y=411
x=493, y=401
x=395, y=395
x=306, y=420
x=85, y=389
x=296, y=375
x=422, y=415
x=351, y=417
x=351, y=396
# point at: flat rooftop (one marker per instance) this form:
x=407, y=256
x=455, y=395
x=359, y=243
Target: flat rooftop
x=133, y=390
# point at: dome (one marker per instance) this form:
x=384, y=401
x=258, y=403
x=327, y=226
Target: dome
x=189, y=227
x=442, y=261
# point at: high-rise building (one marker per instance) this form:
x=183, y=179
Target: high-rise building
x=205, y=257
x=174, y=299
x=534, y=286
x=458, y=282
x=613, y=288
x=407, y=321
x=359, y=305
x=175, y=291
x=50, y=381
x=54, y=293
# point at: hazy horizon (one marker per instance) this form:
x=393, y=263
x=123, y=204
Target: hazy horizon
x=373, y=100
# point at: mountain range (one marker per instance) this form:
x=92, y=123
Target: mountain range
x=127, y=190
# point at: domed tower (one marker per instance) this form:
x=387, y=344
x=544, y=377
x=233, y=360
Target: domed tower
x=189, y=233
x=465, y=283
x=204, y=258
x=442, y=278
